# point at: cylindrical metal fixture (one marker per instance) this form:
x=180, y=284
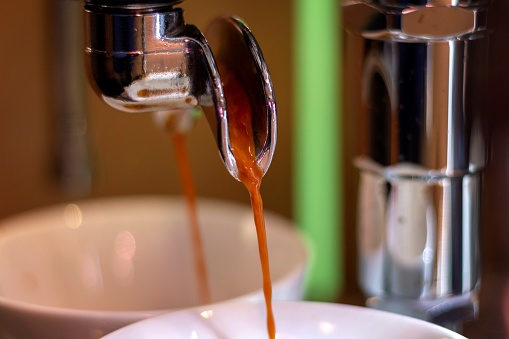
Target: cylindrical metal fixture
x=422, y=150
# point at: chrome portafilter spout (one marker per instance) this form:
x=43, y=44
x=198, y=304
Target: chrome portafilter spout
x=415, y=78
x=141, y=56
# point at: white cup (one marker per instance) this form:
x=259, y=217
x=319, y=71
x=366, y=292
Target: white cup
x=294, y=320
x=85, y=269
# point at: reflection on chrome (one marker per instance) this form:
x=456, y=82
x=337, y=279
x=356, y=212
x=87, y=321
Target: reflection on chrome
x=207, y=314
x=125, y=249
x=73, y=216
x=418, y=100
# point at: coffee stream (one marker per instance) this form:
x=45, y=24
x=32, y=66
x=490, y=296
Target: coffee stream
x=249, y=173
x=184, y=167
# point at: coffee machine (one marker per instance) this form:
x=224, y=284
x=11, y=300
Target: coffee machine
x=415, y=71
x=141, y=56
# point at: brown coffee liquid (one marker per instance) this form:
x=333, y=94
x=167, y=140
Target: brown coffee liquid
x=184, y=167
x=250, y=174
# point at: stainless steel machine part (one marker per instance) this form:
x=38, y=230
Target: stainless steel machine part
x=422, y=67
x=143, y=57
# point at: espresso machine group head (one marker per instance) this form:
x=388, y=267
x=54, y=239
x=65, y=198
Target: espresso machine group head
x=415, y=75
x=141, y=56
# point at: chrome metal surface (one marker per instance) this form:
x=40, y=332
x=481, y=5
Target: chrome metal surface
x=142, y=59
x=422, y=151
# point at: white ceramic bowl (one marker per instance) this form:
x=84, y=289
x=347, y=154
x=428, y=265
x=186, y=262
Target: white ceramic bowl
x=294, y=320
x=83, y=270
